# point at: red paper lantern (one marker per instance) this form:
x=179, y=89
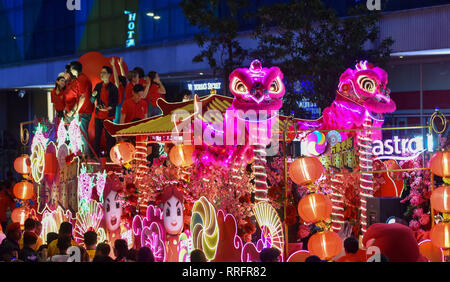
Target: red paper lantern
x=430, y=251
x=440, y=235
x=440, y=164
x=325, y=244
x=440, y=199
x=23, y=164
x=122, y=153
x=314, y=207
x=305, y=170
x=19, y=215
x=181, y=155
x=23, y=190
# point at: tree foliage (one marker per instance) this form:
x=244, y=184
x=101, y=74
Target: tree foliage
x=309, y=42
x=219, y=24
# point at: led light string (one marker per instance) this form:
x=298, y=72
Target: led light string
x=365, y=163
x=337, y=209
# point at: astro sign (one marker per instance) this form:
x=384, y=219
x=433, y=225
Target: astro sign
x=398, y=149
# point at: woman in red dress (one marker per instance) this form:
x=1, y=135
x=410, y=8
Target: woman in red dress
x=57, y=95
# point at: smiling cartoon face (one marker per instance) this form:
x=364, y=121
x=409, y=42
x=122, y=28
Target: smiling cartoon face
x=257, y=88
x=113, y=211
x=173, y=216
x=367, y=85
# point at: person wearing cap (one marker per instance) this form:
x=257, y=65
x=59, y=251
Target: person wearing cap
x=57, y=95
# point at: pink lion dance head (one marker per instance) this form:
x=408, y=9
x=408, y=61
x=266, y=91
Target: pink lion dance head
x=367, y=85
x=257, y=88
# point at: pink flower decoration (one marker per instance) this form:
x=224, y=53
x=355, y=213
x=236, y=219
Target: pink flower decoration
x=418, y=212
x=425, y=219
x=416, y=200
x=414, y=225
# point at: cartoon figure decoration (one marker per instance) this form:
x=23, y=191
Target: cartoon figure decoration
x=112, y=205
x=173, y=206
x=162, y=229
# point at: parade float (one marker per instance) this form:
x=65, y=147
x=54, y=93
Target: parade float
x=219, y=173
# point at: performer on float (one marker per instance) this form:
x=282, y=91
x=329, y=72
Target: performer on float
x=173, y=207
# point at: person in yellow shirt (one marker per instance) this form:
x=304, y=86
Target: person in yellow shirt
x=90, y=242
x=34, y=226
x=65, y=230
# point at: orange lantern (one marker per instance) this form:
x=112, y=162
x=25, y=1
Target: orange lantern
x=122, y=153
x=440, y=235
x=19, y=215
x=325, y=244
x=23, y=164
x=314, y=207
x=440, y=199
x=440, y=164
x=430, y=251
x=181, y=155
x=305, y=170
x=23, y=190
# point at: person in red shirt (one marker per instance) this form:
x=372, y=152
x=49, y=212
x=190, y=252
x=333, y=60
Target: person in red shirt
x=78, y=102
x=134, y=108
x=352, y=251
x=156, y=91
x=106, y=97
x=133, y=78
x=121, y=82
x=57, y=95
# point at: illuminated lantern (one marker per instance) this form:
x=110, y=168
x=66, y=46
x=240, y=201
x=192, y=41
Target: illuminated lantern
x=23, y=164
x=430, y=251
x=181, y=155
x=19, y=215
x=440, y=235
x=440, y=199
x=440, y=164
x=122, y=153
x=23, y=190
x=314, y=207
x=305, y=170
x=325, y=244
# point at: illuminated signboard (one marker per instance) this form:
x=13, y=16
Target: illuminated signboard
x=398, y=149
x=131, y=29
x=205, y=86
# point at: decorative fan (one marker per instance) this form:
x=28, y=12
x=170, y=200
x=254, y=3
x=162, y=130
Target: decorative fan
x=88, y=220
x=204, y=227
x=270, y=224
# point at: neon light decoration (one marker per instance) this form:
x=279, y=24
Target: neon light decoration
x=185, y=246
x=61, y=134
x=131, y=29
x=270, y=224
x=37, y=158
x=151, y=233
x=51, y=220
x=100, y=184
x=74, y=134
x=89, y=219
x=85, y=184
x=204, y=227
